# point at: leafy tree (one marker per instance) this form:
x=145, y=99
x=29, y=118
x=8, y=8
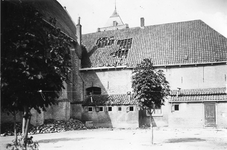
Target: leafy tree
x=150, y=87
x=35, y=60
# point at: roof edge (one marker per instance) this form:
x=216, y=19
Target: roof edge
x=167, y=65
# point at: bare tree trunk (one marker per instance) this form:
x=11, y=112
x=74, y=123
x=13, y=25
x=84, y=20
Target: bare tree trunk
x=23, y=123
x=15, y=126
x=152, y=131
x=26, y=131
x=25, y=126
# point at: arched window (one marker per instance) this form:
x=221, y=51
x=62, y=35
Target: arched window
x=93, y=90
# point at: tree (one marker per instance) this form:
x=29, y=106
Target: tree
x=35, y=60
x=150, y=87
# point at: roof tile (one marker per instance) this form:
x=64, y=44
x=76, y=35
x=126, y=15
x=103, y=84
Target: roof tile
x=114, y=99
x=166, y=44
x=199, y=95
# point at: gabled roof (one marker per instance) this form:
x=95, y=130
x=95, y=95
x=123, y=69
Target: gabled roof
x=199, y=95
x=190, y=42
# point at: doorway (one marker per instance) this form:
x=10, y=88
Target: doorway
x=210, y=114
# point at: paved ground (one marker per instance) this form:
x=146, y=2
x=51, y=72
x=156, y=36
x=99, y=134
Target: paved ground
x=132, y=139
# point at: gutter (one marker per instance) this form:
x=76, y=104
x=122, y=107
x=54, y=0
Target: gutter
x=156, y=66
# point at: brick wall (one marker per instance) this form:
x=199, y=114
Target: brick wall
x=9, y=118
x=61, y=111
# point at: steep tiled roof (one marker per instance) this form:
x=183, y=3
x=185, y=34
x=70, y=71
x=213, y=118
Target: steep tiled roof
x=115, y=99
x=199, y=95
x=190, y=42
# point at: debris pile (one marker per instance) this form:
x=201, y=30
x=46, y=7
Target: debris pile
x=49, y=126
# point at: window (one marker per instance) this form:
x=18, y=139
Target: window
x=157, y=110
x=100, y=108
x=93, y=90
x=90, y=109
x=105, y=41
x=119, y=108
x=176, y=107
x=124, y=47
x=131, y=108
x=109, y=108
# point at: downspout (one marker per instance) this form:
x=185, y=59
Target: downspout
x=82, y=86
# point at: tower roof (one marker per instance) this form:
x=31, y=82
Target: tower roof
x=114, y=19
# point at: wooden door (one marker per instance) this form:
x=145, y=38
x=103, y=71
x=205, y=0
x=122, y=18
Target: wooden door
x=210, y=114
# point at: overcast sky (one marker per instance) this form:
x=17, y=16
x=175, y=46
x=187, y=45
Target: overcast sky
x=95, y=13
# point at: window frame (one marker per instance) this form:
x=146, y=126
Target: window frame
x=100, y=109
x=132, y=108
x=176, y=106
x=88, y=110
x=108, y=108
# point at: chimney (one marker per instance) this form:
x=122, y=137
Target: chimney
x=178, y=92
x=79, y=32
x=142, y=22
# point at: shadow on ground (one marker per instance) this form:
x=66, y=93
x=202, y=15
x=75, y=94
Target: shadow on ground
x=178, y=140
x=60, y=140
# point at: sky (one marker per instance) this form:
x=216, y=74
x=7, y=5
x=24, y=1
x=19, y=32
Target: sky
x=95, y=13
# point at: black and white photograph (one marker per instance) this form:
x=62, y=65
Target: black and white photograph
x=113, y=75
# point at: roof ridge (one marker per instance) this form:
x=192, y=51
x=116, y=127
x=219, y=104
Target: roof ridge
x=138, y=27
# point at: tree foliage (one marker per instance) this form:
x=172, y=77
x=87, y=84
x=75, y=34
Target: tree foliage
x=35, y=61
x=35, y=58
x=149, y=85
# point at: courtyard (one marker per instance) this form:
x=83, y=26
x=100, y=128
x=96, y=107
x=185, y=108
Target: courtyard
x=130, y=139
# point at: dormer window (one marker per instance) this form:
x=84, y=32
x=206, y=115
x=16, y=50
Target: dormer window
x=93, y=90
x=124, y=47
x=105, y=41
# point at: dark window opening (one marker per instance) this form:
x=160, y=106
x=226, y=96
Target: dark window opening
x=176, y=107
x=119, y=109
x=89, y=108
x=131, y=108
x=100, y=108
x=93, y=90
x=109, y=108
